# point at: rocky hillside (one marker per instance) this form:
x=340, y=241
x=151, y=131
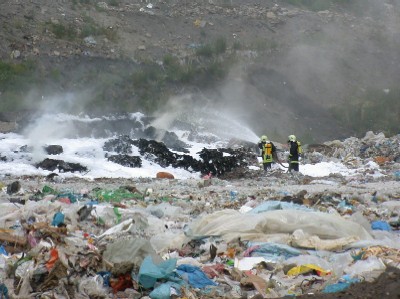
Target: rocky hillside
x=321, y=70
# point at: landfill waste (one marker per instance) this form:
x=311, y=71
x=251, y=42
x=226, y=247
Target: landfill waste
x=209, y=237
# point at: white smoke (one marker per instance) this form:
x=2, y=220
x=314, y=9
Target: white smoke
x=52, y=122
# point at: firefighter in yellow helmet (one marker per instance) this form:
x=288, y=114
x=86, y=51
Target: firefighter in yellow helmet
x=268, y=149
x=294, y=153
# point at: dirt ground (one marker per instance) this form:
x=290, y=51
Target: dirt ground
x=386, y=286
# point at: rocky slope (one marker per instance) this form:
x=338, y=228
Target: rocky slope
x=292, y=65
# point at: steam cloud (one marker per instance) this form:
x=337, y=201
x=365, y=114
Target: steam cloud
x=52, y=121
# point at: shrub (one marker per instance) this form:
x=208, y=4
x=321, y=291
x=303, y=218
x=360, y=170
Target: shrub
x=92, y=29
x=13, y=75
x=377, y=110
x=205, y=51
x=173, y=69
x=148, y=77
x=220, y=45
x=113, y=3
x=217, y=47
x=62, y=31
x=263, y=45
x=237, y=45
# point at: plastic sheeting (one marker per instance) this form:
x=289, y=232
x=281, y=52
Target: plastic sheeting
x=230, y=225
x=272, y=205
x=271, y=251
x=299, y=239
x=166, y=240
x=362, y=266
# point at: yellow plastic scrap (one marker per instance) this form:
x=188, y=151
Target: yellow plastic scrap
x=197, y=23
x=306, y=268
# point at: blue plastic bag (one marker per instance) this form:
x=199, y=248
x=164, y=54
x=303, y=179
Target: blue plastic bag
x=149, y=272
x=194, y=276
x=58, y=219
x=3, y=251
x=3, y=291
x=271, y=251
x=165, y=290
x=106, y=277
x=344, y=283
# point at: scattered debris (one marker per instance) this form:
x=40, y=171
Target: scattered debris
x=206, y=238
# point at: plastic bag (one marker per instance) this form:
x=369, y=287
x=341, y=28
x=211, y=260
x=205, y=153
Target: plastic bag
x=342, y=285
x=381, y=225
x=308, y=259
x=194, y=276
x=307, y=268
x=149, y=271
x=165, y=290
x=371, y=264
x=128, y=252
x=58, y=219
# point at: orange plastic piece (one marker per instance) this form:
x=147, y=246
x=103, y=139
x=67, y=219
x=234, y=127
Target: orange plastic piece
x=53, y=259
x=231, y=252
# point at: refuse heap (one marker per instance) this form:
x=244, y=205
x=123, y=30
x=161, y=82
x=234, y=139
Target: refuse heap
x=354, y=151
x=198, y=238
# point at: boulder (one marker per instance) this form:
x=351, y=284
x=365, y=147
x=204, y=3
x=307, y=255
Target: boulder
x=164, y=175
x=54, y=149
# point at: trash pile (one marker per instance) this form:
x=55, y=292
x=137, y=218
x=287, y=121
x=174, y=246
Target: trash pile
x=354, y=152
x=204, y=238
x=253, y=237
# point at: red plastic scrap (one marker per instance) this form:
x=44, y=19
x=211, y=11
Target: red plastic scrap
x=214, y=270
x=249, y=250
x=120, y=205
x=123, y=282
x=65, y=200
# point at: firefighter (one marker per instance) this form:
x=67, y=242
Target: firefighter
x=267, y=149
x=295, y=151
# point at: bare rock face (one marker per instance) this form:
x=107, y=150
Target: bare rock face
x=128, y=36
x=126, y=160
x=216, y=162
x=54, y=149
x=6, y=127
